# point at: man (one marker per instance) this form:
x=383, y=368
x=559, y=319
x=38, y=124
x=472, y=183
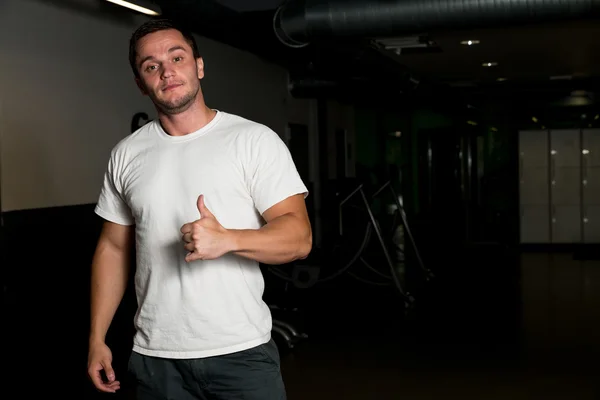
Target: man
x=206, y=196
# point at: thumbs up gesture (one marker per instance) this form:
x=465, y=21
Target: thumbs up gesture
x=205, y=238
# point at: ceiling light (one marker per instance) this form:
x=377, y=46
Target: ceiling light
x=579, y=93
x=490, y=64
x=142, y=9
x=597, y=116
x=469, y=42
x=534, y=119
x=501, y=79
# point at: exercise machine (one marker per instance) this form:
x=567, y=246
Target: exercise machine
x=288, y=332
x=351, y=247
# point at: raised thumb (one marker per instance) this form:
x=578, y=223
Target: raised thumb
x=204, y=212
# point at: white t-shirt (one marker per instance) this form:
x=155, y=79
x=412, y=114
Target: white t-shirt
x=153, y=180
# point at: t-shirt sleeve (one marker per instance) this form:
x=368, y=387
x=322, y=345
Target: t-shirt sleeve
x=274, y=176
x=111, y=205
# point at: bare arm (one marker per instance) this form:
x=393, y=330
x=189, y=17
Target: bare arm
x=110, y=270
x=286, y=236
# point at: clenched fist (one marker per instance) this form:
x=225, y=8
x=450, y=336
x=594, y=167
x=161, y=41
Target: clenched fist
x=205, y=238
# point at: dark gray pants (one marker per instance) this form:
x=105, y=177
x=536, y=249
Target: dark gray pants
x=252, y=374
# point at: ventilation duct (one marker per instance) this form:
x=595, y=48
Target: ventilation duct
x=296, y=22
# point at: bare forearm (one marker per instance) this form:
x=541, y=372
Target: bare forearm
x=283, y=240
x=110, y=270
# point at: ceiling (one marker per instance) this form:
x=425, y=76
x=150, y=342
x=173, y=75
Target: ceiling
x=251, y=5
x=526, y=56
x=535, y=52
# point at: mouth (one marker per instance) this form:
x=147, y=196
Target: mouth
x=171, y=87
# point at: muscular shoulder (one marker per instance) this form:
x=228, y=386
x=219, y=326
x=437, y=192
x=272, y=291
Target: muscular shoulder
x=251, y=133
x=132, y=143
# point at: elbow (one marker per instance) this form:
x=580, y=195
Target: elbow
x=306, y=246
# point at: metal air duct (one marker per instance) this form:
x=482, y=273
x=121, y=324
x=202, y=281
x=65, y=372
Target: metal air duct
x=297, y=22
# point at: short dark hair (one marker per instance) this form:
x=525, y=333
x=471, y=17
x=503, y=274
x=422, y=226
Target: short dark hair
x=156, y=25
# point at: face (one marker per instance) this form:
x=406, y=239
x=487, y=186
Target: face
x=169, y=73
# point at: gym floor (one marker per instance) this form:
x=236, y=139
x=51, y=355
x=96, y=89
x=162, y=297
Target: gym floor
x=530, y=335
x=494, y=324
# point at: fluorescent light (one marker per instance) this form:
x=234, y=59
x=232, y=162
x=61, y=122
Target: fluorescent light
x=490, y=64
x=561, y=78
x=579, y=93
x=469, y=42
x=134, y=7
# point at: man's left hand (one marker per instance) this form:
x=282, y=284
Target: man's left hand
x=205, y=238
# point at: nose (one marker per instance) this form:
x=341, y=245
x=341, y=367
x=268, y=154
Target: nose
x=167, y=72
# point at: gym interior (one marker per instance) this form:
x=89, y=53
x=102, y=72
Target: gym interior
x=451, y=150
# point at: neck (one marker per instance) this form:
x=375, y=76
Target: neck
x=194, y=118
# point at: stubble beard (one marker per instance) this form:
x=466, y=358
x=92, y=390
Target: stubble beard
x=178, y=105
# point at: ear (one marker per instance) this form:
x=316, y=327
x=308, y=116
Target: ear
x=140, y=86
x=200, y=67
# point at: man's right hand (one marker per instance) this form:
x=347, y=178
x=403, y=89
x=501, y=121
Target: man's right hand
x=100, y=359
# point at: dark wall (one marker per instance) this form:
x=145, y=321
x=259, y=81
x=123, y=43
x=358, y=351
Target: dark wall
x=46, y=259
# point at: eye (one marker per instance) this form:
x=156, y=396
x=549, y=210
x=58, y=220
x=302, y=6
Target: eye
x=179, y=58
x=151, y=68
